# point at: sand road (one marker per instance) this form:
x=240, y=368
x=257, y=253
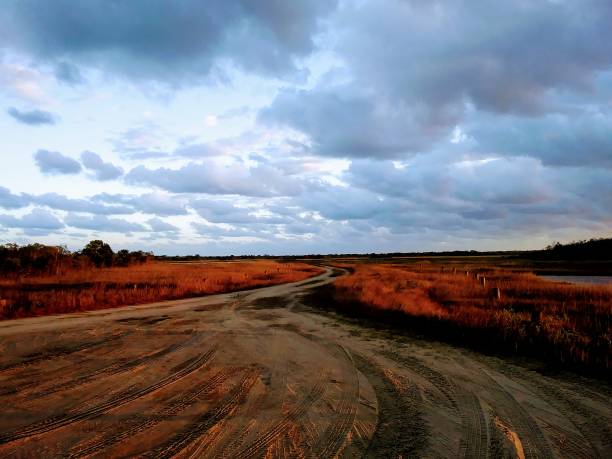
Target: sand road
x=258, y=374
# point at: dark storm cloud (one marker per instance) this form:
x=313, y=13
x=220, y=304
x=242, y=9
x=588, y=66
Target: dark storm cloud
x=501, y=56
x=53, y=162
x=32, y=117
x=166, y=41
x=343, y=122
x=412, y=71
x=101, y=170
x=574, y=139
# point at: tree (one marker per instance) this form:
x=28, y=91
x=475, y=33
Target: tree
x=99, y=253
x=123, y=258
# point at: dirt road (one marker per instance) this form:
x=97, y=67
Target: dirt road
x=258, y=374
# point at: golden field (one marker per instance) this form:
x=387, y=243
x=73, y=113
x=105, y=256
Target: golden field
x=89, y=288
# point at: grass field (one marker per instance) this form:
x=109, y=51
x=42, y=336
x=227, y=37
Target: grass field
x=98, y=288
x=487, y=307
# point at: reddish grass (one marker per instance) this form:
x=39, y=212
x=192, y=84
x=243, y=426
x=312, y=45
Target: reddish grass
x=89, y=289
x=569, y=324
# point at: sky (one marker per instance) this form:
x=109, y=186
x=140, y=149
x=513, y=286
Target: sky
x=310, y=126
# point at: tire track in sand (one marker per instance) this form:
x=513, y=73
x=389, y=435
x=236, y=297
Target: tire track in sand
x=532, y=439
x=57, y=422
x=136, y=424
x=59, y=351
x=280, y=427
x=206, y=421
x=593, y=429
x=113, y=369
x=474, y=442
x=330, y=442
x=402, y=430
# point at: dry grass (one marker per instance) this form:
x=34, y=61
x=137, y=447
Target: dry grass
x=566, y=323
x=88, y=289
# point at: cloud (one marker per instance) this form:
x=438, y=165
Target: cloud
x=149, y=203
x=160, y=226
x=210, y=177
x=147, y=39
x=103, y=223
x=574, y=139
x=150, y=141
x=53, y=162
x=101, y=171
x=69, y=74
x=9, y=200
x=32, y=117
x=217, y=211
x=409, y=73
x=341, y=203
x=60, y=202
x=492, y=196
x=500, y=57
x=345, y=122
x=36, y=222
x=23, y=82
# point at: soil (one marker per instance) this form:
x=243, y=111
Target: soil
x=260, y=374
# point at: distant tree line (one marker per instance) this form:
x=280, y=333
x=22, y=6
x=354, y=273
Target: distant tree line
x=591, y=249
x=39, y=259
x=312, y=256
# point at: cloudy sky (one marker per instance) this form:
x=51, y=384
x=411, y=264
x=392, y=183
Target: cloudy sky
x=309, y=126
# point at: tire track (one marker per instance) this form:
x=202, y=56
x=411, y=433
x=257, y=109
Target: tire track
x=206, y=421
x=435, y=378
x=476, y=440
x=59, y=351
x=402, y=430
x=592, y=428
x=57, y=422
x=475, y=434
x=112, y=370
x=137, y=424
x=264, y=440
x=568, y=443
x=22, y=383
x=330, y=442
x=533, y=440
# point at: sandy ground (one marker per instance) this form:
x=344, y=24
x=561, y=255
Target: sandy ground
x=258, y=374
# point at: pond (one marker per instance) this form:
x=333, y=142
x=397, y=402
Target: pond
x=597, y=280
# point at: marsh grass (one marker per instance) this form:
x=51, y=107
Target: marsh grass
x=84, y=289
x=561, y=323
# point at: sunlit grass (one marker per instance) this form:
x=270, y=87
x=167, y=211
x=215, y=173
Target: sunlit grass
x=564, y=322
x=84, y=289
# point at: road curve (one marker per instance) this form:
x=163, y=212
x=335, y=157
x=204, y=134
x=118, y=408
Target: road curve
x=259, y=374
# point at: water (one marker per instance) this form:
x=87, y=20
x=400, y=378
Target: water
x=597, y=280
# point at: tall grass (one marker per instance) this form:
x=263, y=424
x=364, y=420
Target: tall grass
x=97, y=288
x=564, y=323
